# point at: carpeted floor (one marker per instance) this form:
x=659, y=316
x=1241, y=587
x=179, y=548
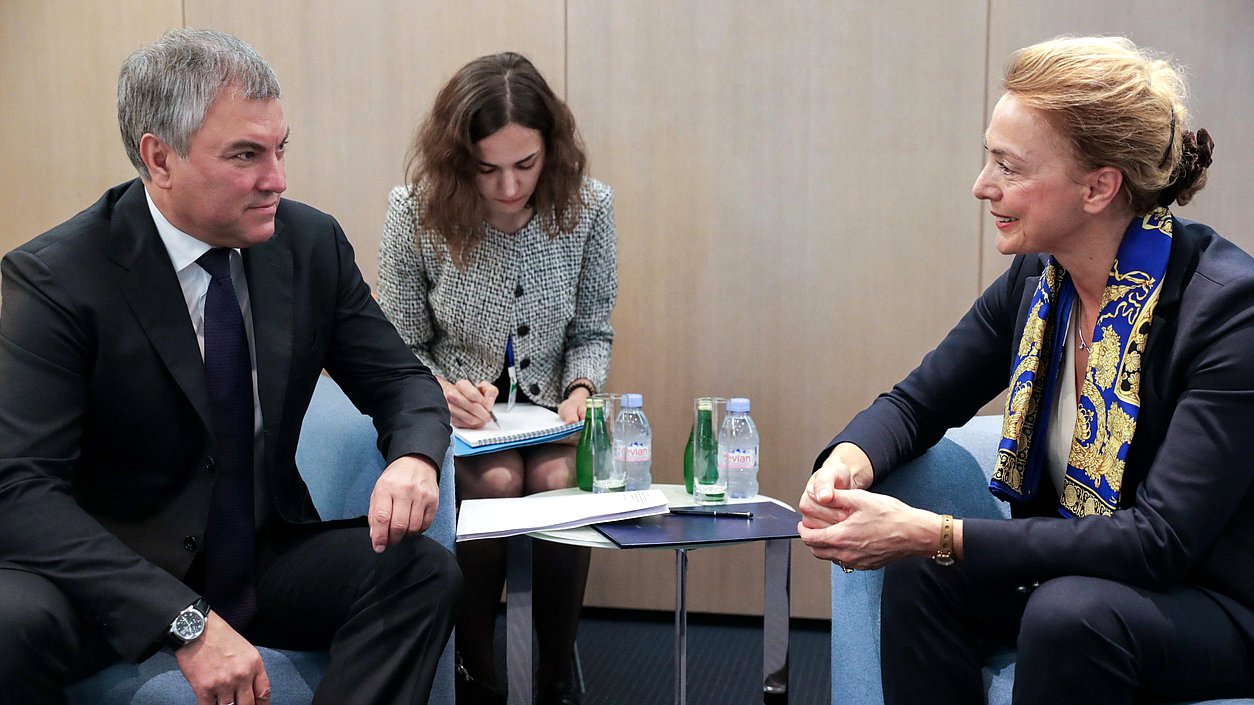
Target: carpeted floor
x=628, y=659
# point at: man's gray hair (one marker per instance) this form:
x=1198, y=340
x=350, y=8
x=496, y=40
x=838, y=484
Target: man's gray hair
x=166, y=87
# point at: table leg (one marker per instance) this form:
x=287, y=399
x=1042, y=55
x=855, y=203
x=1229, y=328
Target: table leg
x=775, y=615
x=518, y=658
x=681, y=626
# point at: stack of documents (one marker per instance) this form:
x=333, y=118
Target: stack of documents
x=494, y=518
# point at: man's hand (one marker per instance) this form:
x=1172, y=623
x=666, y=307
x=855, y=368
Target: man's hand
x=404, y=500
x=223, y=668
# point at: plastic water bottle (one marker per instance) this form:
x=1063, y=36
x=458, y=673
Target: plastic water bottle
x=738, y=450
x=633, y=443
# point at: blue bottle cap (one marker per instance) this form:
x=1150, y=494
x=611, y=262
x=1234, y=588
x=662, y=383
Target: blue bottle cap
x=739, y=405
x=632, y=401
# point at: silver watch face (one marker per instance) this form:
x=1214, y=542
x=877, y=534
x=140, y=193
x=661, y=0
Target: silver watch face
x=189, y=625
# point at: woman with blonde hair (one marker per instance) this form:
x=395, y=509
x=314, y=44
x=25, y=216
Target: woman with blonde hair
x=1126, y=333
x=498, y=260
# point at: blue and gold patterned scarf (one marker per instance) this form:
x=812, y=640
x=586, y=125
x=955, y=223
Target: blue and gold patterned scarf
x=1109, y=401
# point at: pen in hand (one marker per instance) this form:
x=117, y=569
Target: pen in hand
x=488, y=390
x=692, y=511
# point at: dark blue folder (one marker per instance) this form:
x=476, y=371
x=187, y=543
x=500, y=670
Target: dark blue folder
x=770, y=521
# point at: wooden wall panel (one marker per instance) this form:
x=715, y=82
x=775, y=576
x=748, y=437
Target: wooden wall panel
x=792, y=178
x=59, y=66
x=1211, y=40
x=358, y=77
x=792, y=225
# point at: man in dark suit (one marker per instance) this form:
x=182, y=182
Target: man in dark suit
x=157, y=354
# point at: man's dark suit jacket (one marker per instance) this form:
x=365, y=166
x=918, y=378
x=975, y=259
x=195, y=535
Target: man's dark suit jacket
x=106, y=462
x=1187, y=504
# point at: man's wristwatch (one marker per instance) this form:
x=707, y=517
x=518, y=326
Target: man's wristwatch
x=189, y=624
x=945, y=556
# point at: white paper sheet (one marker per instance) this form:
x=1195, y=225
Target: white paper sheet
x=495, y=518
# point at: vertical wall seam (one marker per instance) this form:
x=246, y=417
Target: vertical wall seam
x=981, y=220
x=566, y=50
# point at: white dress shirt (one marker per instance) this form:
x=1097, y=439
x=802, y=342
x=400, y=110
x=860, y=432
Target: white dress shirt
x=184, y=250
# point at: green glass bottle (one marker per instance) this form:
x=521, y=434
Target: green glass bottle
x=705, y=454
x=688, y=461
x=593, y=443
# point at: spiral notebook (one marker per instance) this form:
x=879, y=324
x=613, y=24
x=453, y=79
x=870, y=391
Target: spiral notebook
x=526, y=424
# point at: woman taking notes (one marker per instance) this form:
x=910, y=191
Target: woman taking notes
x=1126, y=335
x=499, y=253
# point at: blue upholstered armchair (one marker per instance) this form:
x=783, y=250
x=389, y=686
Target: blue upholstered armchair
x=950, y=478
x=339, y=460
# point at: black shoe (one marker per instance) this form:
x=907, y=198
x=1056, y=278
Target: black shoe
x=474, y=692
x=559, y=695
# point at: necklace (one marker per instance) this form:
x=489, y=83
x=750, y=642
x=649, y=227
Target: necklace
x=1079, y=333
x=1080, y=339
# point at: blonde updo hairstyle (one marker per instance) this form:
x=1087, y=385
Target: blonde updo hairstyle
x=1117, y=106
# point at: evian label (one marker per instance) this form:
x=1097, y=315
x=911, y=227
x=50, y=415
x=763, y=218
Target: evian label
x=740, y=459
x=638, y=453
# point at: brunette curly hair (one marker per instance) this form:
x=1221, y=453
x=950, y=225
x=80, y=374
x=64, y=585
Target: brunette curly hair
x=481, y=98
x=1117, y=105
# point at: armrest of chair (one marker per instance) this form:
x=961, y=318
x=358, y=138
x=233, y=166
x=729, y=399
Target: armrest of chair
x=951, y=478
x=340, y=462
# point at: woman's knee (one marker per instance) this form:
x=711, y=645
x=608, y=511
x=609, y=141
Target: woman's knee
x=1065, y=612
x=494, y=475
x=549, y=467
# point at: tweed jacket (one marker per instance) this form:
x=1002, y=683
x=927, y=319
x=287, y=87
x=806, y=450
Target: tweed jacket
x=553, y=294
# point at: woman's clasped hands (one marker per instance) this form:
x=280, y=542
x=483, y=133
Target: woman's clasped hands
x=844, y=523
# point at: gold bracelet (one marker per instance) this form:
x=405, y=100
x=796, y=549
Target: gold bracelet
x=945, y=556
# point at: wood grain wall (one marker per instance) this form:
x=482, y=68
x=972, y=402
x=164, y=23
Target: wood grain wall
x=792, y=178
x=1219, y=67
x=59, y=142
